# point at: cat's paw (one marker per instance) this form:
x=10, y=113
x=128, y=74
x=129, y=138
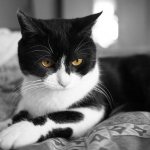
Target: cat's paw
x=19, y=134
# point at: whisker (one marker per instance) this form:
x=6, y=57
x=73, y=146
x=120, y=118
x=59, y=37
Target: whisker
x=31, y=85
x=108, y=97
x=50, y=46
x=14, y=97
x=32, y=88
x=39, y=51
x=105, y=93
x=85, y=43
x=40, y=59
x=79, y=44
x=33, y=81
x=102, y=92
x=45, y=47
x=37, y=84
x=85, y=49
x=106, y=89
x=83, y=54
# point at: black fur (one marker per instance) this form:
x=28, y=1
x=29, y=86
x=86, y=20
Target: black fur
x=58, y=117
x=22, y=115
x=39, y=120
x=38, y=34
x=64, y=133
x=125, y=81
x=66, y=116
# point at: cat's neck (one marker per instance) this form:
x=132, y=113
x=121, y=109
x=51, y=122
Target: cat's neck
x=45, y=100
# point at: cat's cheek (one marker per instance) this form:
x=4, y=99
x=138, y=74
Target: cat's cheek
x=75, y=80
x=51, y=82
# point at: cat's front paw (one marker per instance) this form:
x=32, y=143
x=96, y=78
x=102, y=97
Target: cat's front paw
x=19, y=134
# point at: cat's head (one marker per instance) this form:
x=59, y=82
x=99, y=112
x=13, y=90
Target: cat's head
x=59, y=52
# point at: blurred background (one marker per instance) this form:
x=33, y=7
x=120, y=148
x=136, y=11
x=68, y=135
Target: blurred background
x=123, y=28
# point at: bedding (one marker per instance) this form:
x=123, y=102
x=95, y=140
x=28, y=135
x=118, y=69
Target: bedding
x=123, y=131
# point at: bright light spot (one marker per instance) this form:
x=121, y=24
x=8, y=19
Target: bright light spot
x=105, y=31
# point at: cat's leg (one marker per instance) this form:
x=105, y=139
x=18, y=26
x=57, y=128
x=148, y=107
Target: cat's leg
x=20, y=115
x=66, y=124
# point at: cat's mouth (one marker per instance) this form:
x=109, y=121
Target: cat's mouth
x=63, y=84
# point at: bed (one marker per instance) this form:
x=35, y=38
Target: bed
x=123, y=131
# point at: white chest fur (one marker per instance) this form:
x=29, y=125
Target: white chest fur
x=43, y=100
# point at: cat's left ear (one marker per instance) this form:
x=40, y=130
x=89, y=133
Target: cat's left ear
x=27, y=23
x=85, y=24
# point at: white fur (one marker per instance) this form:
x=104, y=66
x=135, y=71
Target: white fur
x=24, y=132
x=19, y=134
x=91, y=118
x=53, y=96
x=63, y=78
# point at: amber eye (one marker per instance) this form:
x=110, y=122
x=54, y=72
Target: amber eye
x=77, y=62
x=46, y=63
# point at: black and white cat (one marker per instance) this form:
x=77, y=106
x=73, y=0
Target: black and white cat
x=61, y=74
x=67, y=90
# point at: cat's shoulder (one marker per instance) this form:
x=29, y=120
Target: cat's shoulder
x=125, y=65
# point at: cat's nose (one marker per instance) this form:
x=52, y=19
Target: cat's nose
x=63, y=79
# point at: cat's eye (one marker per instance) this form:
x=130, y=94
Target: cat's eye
x=47, y=63
x=77, y=62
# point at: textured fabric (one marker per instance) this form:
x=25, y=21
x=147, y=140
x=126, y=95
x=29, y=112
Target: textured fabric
x=124, y=131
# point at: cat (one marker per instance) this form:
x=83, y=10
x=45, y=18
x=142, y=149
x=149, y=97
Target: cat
x=67, y=89
x=60, y=91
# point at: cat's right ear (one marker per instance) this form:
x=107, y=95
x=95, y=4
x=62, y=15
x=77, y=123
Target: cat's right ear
x=27, y=24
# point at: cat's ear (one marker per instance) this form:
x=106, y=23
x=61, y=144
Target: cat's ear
x=84, y=25
x=27, y=24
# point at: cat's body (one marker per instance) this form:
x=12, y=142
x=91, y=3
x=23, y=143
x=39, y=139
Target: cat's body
x=66, y=89
x=127, y=79
x=37, y=102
